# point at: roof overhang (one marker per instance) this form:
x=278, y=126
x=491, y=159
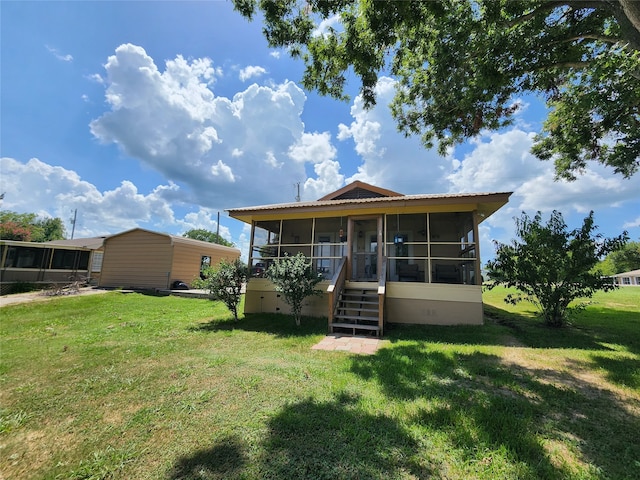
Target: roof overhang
x=485, y=204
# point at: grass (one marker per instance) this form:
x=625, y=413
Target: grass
x=133, y=386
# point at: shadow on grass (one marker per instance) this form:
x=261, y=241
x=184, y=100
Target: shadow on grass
x=222, y=461
x=320, y=440
x=279, y=325
x=588, y=331
x=487, y=407
x=622, y=371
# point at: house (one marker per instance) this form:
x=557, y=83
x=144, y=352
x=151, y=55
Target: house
x=384, y=256
x=143, y=259
x=42, y=263
x=627, y=279
x=138, y=258
x=96, y=245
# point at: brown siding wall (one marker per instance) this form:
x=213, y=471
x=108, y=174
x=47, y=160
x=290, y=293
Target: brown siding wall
x=187, y=259
x=137, y=259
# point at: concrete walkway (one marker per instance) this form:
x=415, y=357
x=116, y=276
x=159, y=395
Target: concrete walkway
x=347, y=343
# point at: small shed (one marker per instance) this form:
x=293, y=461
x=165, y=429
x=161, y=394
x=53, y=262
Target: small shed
x=144, y=259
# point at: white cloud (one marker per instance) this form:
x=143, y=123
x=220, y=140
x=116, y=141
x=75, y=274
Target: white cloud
x=329, y=179
x=97, y=78
x=205, y=219
x=632, y=223
x=323, y=28
x=252, y=71
x=172, y=121
x=38, y=187
x=313, y=148
x=390, y=159
x=49, y=191
x=60, y=56
x=222, y=169
x=501, y=161
x=275, y=54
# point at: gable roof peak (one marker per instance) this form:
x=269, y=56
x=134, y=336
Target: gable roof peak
x=358, y=189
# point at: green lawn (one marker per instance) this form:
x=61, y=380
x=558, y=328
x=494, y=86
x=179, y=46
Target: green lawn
x=133, y=386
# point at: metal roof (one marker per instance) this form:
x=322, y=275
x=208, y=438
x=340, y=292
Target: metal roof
x=486, y=204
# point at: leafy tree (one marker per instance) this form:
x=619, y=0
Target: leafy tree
x=27, y=227
x=207, y=236
x=52, y=229
x=552, y=266
x=225, y=282
x=295, y=278
x=623, y=260
x=461, y=65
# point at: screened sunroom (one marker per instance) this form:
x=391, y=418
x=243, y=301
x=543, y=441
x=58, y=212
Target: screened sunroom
x=401, y=258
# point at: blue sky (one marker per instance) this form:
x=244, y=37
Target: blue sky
x=162, y=114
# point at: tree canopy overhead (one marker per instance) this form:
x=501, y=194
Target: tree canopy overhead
x=461, y=65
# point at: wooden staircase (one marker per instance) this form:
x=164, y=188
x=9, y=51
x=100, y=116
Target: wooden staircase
x=357, y=311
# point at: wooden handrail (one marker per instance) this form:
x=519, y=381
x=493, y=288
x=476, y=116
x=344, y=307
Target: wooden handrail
x=382, y=288
x=335, y=287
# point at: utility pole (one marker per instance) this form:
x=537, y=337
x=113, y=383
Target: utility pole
x=218, y=227
x=73, y=222
x=298, y=195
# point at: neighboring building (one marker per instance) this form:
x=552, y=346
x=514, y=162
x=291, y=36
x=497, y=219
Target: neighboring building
x=627, y=279
x=42, y=263
x=384, y=256
x=143, y=259
x=137, y=258
x=96, y=245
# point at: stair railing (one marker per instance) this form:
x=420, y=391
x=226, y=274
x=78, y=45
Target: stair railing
x=335, y=288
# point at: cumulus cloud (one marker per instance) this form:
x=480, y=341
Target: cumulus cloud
x=38, y=187
x=390, y=159
x=251, y=71
x=172, y=121
x=206, y=219
x=501, y=161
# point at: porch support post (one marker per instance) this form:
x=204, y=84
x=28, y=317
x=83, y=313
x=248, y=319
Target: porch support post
x=476, y=241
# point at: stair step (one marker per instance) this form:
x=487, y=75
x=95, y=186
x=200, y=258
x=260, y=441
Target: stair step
x=354, y=311
x=356, y=326
x=357, y=318
x=363, y=302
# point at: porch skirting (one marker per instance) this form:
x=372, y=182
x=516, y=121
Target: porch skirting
x=405, y=302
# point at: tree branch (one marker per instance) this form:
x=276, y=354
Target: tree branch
x=589, y=36
x=548, y=6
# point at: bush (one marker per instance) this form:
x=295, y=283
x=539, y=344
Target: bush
x=224, y=282
x=295, y=278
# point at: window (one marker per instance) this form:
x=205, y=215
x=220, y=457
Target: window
x=96, y=264
x=205, y=262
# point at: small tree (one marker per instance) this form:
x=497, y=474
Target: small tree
x=224, y=282
x=552, y=266
x=295, y=278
